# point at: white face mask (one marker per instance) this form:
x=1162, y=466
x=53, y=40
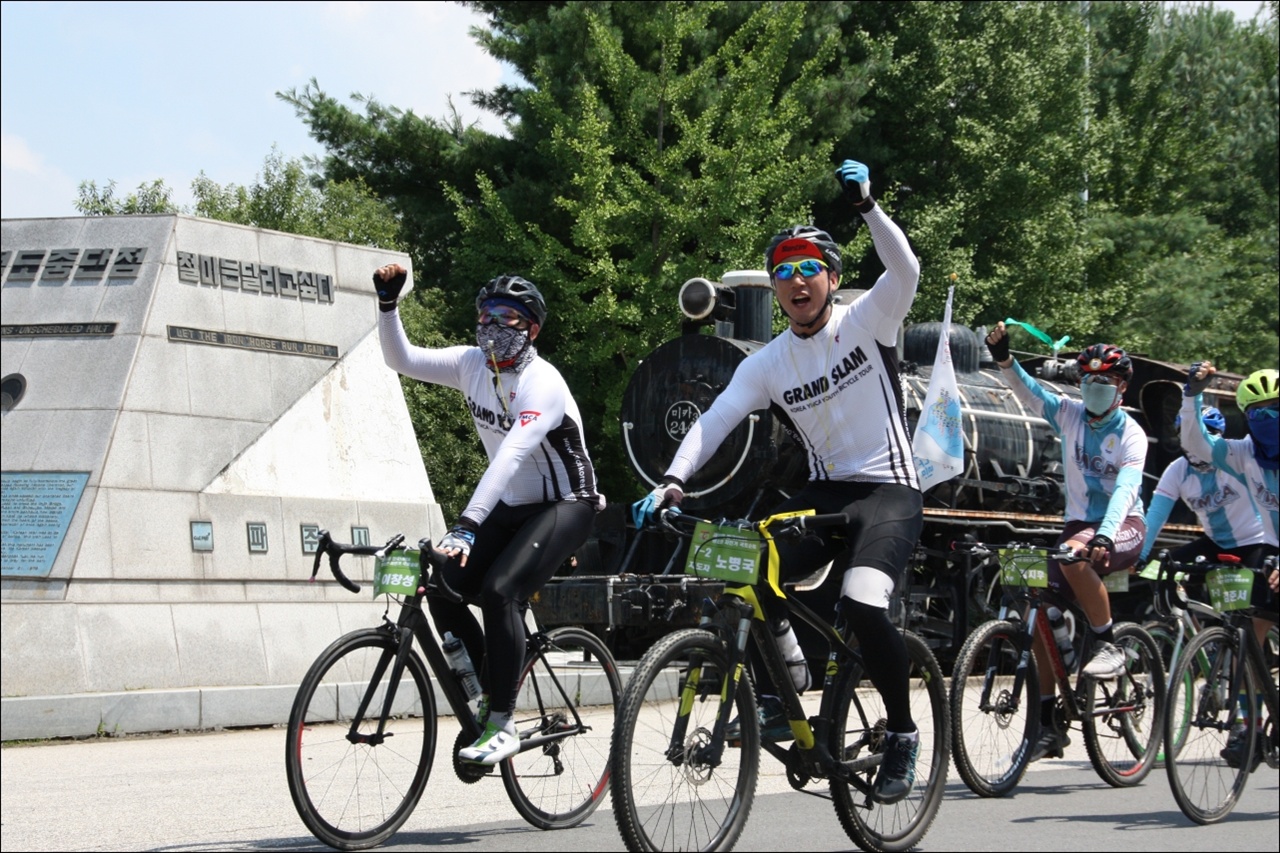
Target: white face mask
x=1098, y=398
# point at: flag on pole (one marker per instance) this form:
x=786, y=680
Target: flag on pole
x=938, y=445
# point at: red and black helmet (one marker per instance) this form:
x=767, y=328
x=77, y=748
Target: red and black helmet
x=1105, y=358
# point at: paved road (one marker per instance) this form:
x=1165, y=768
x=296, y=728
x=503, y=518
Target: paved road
x=226, y=790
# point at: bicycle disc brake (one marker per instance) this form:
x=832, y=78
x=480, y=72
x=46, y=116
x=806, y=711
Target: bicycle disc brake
x=465, y=770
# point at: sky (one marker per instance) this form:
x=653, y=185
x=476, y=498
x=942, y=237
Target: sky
x=132, y=92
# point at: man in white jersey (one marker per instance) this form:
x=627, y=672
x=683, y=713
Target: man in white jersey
x=1254, y=461
x=834, y=377
x=1103, y=454
x=1220, y=503
x=535, y=504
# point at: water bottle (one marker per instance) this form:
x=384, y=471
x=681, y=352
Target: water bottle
x=789, y=645
x=460, y=663
x=1062, y=636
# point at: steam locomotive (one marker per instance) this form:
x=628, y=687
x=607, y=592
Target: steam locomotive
x=629, y=585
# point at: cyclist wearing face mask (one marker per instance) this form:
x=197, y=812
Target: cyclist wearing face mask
x=1219, y=501
x=1103, y=454
x=535, y=504
x=1254, y=462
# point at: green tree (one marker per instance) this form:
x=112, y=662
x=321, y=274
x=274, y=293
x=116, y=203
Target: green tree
x=153, y=197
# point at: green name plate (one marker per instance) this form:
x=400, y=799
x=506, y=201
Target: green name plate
x=1116, y=581
x=1229, y=589
x=725, y=553
x=396, y=574
x=1018, y=568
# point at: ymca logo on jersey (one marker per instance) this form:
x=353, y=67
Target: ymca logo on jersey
x=1213, y=499
x=1098, y=465
x=528, y=417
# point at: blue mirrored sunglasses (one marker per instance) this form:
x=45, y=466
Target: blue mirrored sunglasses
x=1263, y=413
x=807, y=268
x=503, y=315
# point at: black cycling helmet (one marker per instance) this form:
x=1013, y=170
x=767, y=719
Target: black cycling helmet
x=517, y=289
x=819, y=238
x=1105, y=359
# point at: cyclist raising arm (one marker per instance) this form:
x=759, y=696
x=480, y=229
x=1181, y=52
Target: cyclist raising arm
x=1222, y=506
x=537, y=500
x=833, y=377
x=1255, y=462
x=1103, y=453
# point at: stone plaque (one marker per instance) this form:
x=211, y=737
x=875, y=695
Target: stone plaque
x=37, y=508
x=202, y=536
x=310, y=538
x=257, y=533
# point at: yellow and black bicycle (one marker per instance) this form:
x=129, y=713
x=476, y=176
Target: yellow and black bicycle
x=687, y=741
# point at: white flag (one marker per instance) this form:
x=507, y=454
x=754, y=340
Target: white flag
x=938, y=445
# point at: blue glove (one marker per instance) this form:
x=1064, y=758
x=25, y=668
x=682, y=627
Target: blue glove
x=1194, y=386
x=855, y=178
x=459, y=538
x=664, y=495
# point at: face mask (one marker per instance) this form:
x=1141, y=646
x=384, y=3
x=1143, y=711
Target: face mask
x=501, y=343
x=1266, y=440
x=1098, y=399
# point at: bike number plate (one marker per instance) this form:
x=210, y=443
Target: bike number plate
x=1229, y=589
x=396, y=574
x=1019, y=568
x=730, y=554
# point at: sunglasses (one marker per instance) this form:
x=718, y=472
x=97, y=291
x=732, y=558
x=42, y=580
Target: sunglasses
x=1101, y=379
x=807, y=268
x=503, y=315
x=1263, y=413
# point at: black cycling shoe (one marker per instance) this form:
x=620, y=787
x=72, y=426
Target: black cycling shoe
x=1052, y=744
x=897, y=774
x=1234, y=750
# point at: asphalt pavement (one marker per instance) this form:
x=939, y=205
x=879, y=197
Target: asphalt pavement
x=226, y=791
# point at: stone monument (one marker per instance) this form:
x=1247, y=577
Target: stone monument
x=186, y=403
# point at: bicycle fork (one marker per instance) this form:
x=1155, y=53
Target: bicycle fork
x=403, y=647
x=710, y=752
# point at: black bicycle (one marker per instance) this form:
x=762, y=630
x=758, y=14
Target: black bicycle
x=362, y=732
x=995, y=689
x=686, y=747
x=1215, y=691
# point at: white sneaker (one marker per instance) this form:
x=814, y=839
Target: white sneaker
x=494, y=746
x=1107, y=663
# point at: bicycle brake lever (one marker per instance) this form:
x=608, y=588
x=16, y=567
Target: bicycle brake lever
x=322, y=547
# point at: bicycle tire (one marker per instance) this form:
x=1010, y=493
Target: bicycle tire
x=859, y=723
x=574, y=680
x=1166, y=637
x=354, y=794
x=992, y=745
x=1271, y=654
x=666, y=798
x=1124, y=717
x=1205, y=787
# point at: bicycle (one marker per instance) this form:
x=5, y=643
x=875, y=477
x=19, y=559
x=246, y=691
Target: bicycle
x=682, y=779
x=995, y=688
x=1222, y=671
x=362, y=731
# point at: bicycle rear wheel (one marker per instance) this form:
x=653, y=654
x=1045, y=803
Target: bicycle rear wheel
x=859, y=729
x=668, y=793
x=1204, y=785
x=993, y=726
x=353, y=785
x=1122, y=725
x=570, y=691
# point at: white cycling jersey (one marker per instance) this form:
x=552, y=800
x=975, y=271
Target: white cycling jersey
x=532, y=431
x=1219, y=500
x=1102, y=463
x=1235, y=456
x=838, y=391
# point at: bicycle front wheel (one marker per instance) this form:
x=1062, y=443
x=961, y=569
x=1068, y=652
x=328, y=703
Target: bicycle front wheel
x=355, y=776
x=1166, y=638
x=1122, y=724
x=859, y=729
x=1202, y=707
x=994, y=720
x=567, y=697
x=673, y=787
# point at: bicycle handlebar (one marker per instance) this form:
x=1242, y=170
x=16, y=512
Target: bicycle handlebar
x=1168, y=592
x=1058, y=553
x=433, y=582
x=786, y=527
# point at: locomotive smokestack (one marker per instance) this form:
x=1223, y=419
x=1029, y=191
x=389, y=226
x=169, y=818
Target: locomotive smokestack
x=753, y=320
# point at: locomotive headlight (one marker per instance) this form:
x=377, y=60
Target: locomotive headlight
x=702, y=300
